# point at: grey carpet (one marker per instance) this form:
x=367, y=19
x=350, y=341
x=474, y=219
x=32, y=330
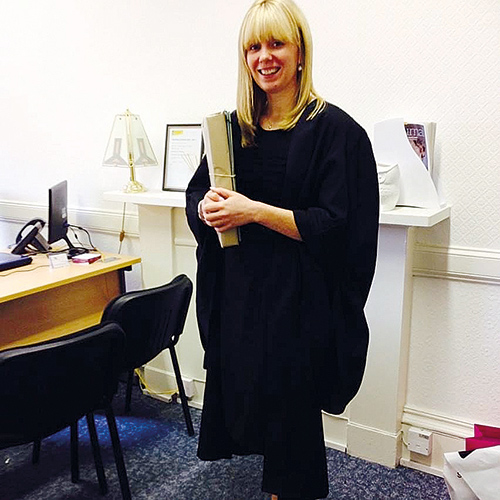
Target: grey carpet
x=162, y=464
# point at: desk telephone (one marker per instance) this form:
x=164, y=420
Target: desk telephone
x=30, y=238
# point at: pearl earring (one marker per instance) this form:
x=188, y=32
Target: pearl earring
x=299, y=68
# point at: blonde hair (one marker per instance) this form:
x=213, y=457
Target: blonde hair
x=273, y=20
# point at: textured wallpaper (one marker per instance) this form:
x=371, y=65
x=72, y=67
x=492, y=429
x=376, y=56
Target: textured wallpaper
x=454, y=350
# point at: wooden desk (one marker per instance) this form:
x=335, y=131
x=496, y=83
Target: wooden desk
x=39, y=303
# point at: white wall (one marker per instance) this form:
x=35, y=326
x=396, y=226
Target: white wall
x=67, y=67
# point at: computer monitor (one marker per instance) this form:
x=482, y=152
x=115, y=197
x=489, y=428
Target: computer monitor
x=58, y=214
x=58, y=218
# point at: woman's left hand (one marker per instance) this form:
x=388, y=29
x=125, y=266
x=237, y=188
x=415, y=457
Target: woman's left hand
x=231, y=210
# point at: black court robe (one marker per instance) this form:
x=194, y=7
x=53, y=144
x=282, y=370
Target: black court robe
x=331, y=185
x=294, y=339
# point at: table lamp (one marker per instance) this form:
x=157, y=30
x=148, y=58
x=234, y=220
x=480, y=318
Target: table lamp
x=129, y=146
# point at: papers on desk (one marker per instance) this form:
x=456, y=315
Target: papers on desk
x=86, y=258
x=58, y=260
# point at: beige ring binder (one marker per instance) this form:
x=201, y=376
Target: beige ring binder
x=218, y=139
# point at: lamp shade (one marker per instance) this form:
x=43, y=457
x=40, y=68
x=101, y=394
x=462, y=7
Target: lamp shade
x=129, y=146
x=128, y=137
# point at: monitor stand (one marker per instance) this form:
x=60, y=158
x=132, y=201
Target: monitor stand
x=40, y=243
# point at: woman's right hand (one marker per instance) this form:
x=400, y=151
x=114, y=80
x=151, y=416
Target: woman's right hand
x=210, y=196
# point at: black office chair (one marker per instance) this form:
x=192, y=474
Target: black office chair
x=153, y=320
x=49, y=386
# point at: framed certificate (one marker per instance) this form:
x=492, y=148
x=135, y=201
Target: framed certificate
x=183, y=151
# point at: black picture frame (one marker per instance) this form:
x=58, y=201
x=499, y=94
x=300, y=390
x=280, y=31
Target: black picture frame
x=183, y=153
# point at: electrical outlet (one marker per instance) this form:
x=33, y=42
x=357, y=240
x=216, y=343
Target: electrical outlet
x=420, y=441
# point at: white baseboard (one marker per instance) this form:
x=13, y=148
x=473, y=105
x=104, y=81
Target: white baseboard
x=389, y=449
x=421, y=467
x=373, y=444
x=335, y=446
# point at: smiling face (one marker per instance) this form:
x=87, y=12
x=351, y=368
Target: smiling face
x=271, y=46
x=273, y=65
x=274, y=40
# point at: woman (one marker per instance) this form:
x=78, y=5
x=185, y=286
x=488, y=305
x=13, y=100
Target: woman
x=281, y=314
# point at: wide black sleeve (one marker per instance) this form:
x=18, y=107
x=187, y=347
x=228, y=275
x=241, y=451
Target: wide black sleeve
x=340, y=226
x=340, y=230
x=207, y=252
x=361, y=254
x=197, y=187
x=363, y=219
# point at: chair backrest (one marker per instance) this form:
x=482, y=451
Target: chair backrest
x=152, y=319
x=47, y=386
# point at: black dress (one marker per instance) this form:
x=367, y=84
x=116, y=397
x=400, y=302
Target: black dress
x=281, y=320
x=256, y=381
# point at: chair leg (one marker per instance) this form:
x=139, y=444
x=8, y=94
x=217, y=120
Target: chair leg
x=35, y=458
x=128, y=395
x=117, y=451
x=75, y=467
x=96, y=450
x=182, y=392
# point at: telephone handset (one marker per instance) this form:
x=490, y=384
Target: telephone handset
x=30, y=238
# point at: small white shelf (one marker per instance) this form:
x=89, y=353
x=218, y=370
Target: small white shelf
x=417, y=217
x=400, y=216
x=153, y=197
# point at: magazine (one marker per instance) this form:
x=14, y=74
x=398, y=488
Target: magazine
x=422, y=137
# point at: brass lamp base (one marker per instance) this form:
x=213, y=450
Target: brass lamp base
x=134, y=187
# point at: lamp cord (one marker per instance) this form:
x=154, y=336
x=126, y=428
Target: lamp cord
x=147, y=388
x=122, y=231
